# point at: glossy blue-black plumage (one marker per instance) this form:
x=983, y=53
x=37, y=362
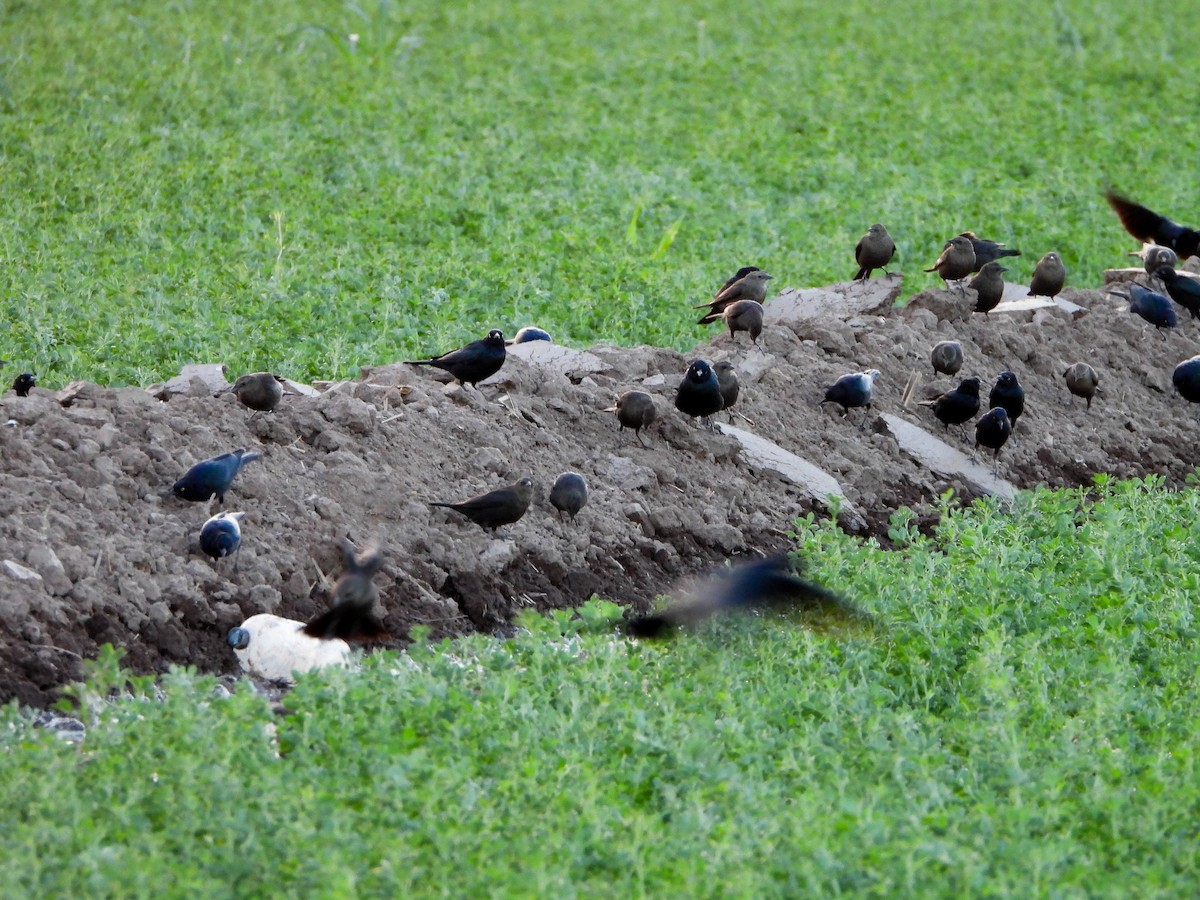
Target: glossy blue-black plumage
x=212, y=477
x=221, y=535
x=1152, y=306
x=1008, y=393
x=852, y=391
x=530, y=333
x=1186, y=379
x=699, y=394
x=1183, y=289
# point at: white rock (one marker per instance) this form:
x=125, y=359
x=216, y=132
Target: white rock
x=278, y=647
x=20, y=572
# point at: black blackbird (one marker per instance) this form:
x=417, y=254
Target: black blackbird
x=24, y=383
x=957, y=406
x=1082, y=381
x=852, y=391
x=529, y=333
x=260, y=391
x=987, y=251
x=1152, y=306
x=473, y=363
x=503, y=506
x=1049, y=276
x=569, y=494
x=1008, y=393
x=635, y=409
x=751, y=286
x=957, y=260
x=874, y=250
x=767, y=584
x=1150, y=227
x=699, y=394
x=988, y=286
x=730, y=386
x=352, y=615
x=993, y=430
x=744, y=315
x=735, y=277
x=213, y=476
x=947, y=357
x=1183, y=289
x=1186, y=379
x=222, y=535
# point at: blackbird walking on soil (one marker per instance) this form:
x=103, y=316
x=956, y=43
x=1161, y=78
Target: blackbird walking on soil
x=1152, y=306
x=472, y=363
x=24, y=383
x=1186, y=379
x=212, y=477
x=987, y=251
x=503, y=506
x=874, y=250
x=1049, y=276
x=993, y=431
x=635, y=409
x=221, y=535
x=957, y=260
x=957, y=406
x=852, y=391
x=1008, y=394
x=352, y=615
x=1152, y=228
x=260, y=391
x=730, y=386
x=1082, y=381
x=988, y=286
x=752, y=286
x=1183, y=289
x=699, y=394
x=947, y=357
x=569, y=493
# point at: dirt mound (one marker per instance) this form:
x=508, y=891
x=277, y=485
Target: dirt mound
x=93, y=549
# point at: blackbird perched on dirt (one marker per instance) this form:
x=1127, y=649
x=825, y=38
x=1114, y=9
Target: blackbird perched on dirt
x=957, y=260
x=730, y=386
x=874, y=250
x=1152, y=228
x=503, y=506
x=24, y=383
x=1008, y=394
x=767, y=584
x=635, y=409
x=988, y=286
x=1049, y=276
x=260, y=391
x=569, y=493
x=1183, y=289
x=1082, y=381
x=1186, y=379
x=957, y=406
x=1151, y=306
x=212, y=477
x=987, y=251
x=947, y=357
x=699, y=394
x=852, y=391
x=472, y=363
x=527, y=334
x=352, y=615
x=993, y=431
x=221, y=535
x=751, y=286
x=744, y=315
x=1154, y=257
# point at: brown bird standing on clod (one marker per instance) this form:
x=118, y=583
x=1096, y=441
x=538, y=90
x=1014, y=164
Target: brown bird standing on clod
x=988, y=286
x=750, y=287
x=744, y=315
x=260, y=391
x=1049, y=276
x=351, y=616
x=947, y=357
x=730, y=386
x=503, y=506
x=1082, y=381
x=635, y=409
x=956, y=261
x=874, y=250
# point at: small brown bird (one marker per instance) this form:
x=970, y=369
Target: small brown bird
x=874, y=250
x=988, y=286
x=947, y=357
x=956, y=262
x=635, y=409
x=569, y=494
x=1082, y=381
x=728, y=380
x=1049, y=276
x=744, y=315
x=260, y=391
x=750, y=287
x=351, y=616
x=503, y=506
x=1154, y=257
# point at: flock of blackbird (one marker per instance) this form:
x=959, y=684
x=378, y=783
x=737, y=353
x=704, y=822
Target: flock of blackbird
x=707, y=389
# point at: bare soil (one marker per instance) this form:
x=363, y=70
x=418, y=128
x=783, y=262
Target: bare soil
x=94, y=550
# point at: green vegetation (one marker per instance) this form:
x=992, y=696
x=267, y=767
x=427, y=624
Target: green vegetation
x=241, y=182
x=1022, y=720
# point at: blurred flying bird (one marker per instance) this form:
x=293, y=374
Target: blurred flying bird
x=1152, y=228
x=351, y=617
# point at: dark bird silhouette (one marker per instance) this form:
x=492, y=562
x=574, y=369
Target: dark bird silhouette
x=527, y=334
x=569, y=493
x=751, y=286
x=1049, y=276
x=24, y=383
x=744, y=315
x=212, y=477
x=352, y=615
x=260, y=391
x=1151, y=228
x=1008, y=394
x=730, y=386
x=1082, y=381
x=768, y=584
x=735, y=277
x=699, y=394
x=852, y=391
x=874, y=250
x=1186, y=379
x=472, y=363
x=635, y=409
x=947, y=357
x=221, y=535
x=957, y=406
x=988, y=286
x=993, y=431
x=1183, y=289
x=1152, y=306
x=492, y=509
x=957, y=260
x=987, y=251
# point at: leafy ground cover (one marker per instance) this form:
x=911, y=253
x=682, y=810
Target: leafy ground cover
x=311, y=186
x=1019, y=720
